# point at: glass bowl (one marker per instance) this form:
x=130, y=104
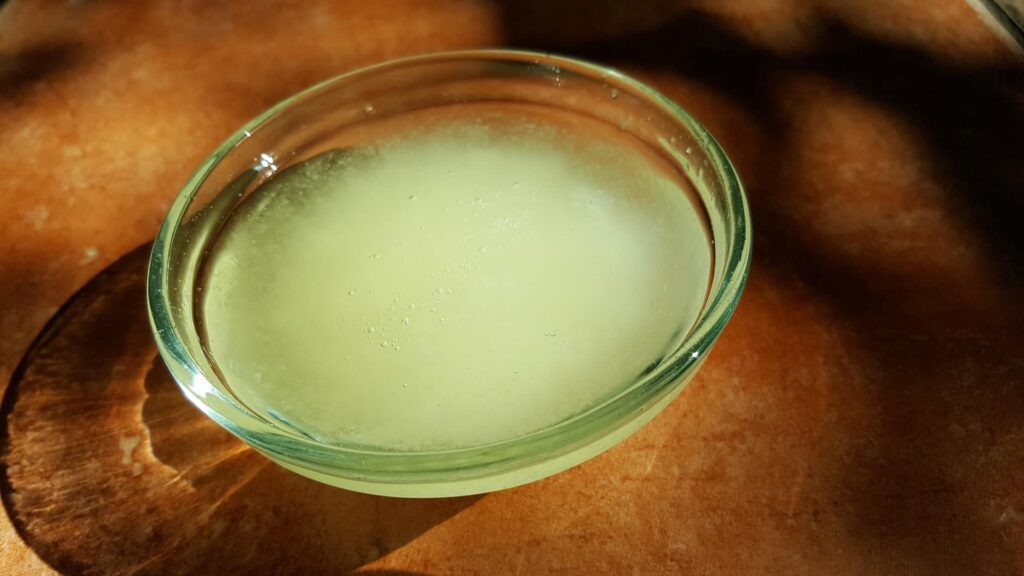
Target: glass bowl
x=310, y=122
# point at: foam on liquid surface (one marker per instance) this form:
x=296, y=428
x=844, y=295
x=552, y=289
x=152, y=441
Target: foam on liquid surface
x=466, y=285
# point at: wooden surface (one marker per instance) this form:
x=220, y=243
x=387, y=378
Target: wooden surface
x=862, y=414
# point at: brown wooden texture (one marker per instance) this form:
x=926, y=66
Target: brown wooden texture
x=110, y=470
x=862, y=414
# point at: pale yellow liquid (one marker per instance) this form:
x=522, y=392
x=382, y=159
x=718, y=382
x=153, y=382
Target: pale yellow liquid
x=465, y=285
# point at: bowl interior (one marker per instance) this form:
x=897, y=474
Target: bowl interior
x=366, y=105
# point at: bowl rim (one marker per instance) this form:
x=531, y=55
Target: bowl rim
x=377, y=465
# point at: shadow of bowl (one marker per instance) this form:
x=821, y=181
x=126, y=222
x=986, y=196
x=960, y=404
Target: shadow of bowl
x=107, y=469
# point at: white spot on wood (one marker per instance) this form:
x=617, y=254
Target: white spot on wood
x=128, y=444
x=36, y=217
x=89, y=255
x=1010, y=516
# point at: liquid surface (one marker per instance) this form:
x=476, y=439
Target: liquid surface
x=465, y=285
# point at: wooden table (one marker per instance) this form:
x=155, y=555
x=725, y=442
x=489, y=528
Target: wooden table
x=862, y=414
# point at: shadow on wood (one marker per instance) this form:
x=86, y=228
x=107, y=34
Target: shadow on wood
x=107, y=469
x=918, y=261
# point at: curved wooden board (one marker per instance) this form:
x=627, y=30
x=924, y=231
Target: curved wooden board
x=862, y=414
x=109, y=470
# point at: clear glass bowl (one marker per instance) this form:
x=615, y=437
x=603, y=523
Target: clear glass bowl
x=310, y=122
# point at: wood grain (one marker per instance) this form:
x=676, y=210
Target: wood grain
x=109, y=470
x=862, y=414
